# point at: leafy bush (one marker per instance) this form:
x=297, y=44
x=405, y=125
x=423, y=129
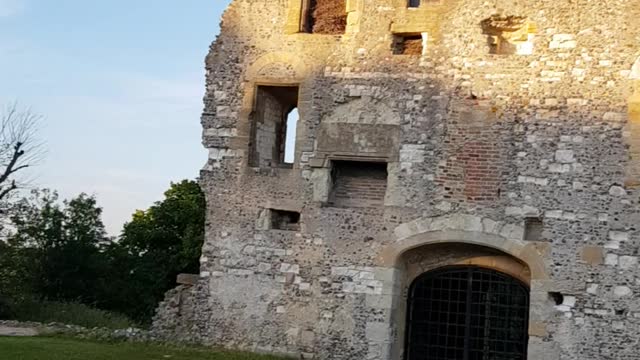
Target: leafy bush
x=5, y=308
x=69, y=313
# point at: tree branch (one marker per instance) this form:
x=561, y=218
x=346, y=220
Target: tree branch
x=6, y=191
x=17, y=153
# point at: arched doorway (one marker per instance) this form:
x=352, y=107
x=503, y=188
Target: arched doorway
x=467, y=313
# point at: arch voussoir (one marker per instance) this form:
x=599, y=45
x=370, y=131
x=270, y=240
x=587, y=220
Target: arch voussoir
x=467, y=229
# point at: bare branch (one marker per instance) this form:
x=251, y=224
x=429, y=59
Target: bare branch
x=19, y=146
x=6, y=191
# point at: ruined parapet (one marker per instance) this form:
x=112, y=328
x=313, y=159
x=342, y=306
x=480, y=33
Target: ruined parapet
x=509, y=34
x=174, y=320
x=347, y=169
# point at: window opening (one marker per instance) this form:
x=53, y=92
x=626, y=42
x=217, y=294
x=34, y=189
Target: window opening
x=358, y=184
x=285, y=220
x=508, y=35
x=533, y=228
x=324, y=17
x=408, y=44
x=467, y=313
x=273, y=132
x=417, y=3
x=290, y=136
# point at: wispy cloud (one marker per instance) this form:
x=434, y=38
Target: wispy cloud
x=11, y=7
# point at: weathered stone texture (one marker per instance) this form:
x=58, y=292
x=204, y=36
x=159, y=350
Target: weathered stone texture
x=475, y=142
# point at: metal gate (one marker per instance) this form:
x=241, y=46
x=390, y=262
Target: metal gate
x=467, y=313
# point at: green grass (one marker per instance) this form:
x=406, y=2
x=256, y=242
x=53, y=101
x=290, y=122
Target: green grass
x=68, y=313
x=43, y=348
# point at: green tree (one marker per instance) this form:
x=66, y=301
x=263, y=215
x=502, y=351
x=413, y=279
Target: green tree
x=156, y=246
x=64, y=243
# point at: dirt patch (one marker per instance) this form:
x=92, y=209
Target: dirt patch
x=329, y=17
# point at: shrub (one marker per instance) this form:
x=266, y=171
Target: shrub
x=5, y=308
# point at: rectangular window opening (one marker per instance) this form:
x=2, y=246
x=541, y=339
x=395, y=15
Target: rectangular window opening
x=327, y=17
x=358, y=184
x=408, y=44
x=274, y=124
x=285, y=220
x=533, y=228
x=417, y=3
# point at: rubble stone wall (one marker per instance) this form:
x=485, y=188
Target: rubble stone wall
x=475, y=143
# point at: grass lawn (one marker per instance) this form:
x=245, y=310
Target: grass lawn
x=44, y=348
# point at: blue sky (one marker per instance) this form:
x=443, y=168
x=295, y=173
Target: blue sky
x=120, y=84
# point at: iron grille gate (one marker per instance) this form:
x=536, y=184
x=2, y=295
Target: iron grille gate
x=467, y=313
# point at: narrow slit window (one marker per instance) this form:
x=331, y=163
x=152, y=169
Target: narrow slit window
x=358, y=184
x=274, y=122
x=414, y=3
x=324, y=17
x=408, y=44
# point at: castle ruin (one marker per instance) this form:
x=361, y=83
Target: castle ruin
x=420, y=180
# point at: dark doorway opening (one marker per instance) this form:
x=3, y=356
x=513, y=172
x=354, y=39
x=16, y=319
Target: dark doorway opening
x=467, y=313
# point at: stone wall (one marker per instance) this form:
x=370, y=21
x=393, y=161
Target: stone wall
x=475, y=141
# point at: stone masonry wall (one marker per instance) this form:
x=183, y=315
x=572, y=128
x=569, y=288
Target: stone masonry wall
x=475, y=143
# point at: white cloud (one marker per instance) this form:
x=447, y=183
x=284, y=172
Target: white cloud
x=11, y=7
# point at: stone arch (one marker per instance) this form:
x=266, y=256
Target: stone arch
x=278, y=66
x=409, y=303
x=427, y=244
x=465, y=229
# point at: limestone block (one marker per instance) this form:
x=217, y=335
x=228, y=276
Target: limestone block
x=404, y=231
x=290, y=268
x=264, y=267
x=378, y=332
x=382, y=301
x=617, y=191
x=513, y=232
x=321, y=179
x=490, y=226
x=622, y=291
x=628, y=262
x=224, y=111
x=559, y=168
x=615, y=238
x=563, y=41
x=565, y=156
x=466, y=223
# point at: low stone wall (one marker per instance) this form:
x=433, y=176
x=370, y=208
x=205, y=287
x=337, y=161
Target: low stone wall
x=130, y=334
